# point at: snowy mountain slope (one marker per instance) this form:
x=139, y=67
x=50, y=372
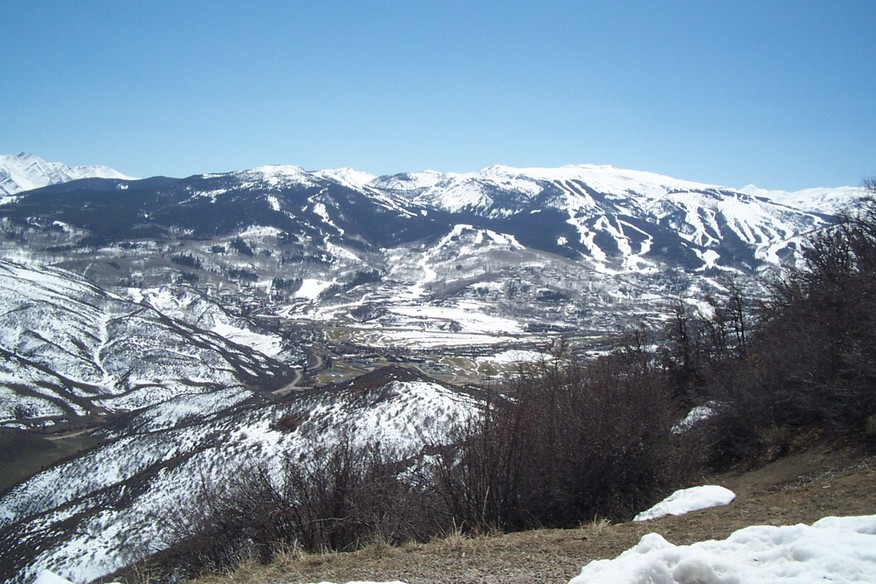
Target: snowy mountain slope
x=577, y=248
x=194, y=308
x=107, y=513
x=71, y=349
x=23, y=172
x=625, y=220
x=816, y=200
x=427, y=267
x=306, y=206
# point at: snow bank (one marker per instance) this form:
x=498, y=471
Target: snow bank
x=834, y=549
x=687, y=500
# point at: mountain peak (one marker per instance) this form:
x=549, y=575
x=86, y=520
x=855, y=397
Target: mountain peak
x=348, y=176
x=23, y=172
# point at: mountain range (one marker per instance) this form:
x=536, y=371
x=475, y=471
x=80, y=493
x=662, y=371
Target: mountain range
x=178, y=321
x=23, y=172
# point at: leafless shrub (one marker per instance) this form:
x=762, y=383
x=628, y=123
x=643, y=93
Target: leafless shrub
x=809, y=359
x=566, y=441
x=339, y=497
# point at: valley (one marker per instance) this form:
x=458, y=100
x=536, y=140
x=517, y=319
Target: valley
x=163, y=336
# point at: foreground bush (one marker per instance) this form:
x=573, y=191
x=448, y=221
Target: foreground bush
x=337, y=498
x=807, y=362
x=562, y=444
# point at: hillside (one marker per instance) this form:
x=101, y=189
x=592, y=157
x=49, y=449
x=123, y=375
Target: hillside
x=390, y=358
x=72, y=350
x=802, y=487
x=434, y=263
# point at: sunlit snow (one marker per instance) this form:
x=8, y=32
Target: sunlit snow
x=834, y=549
x=687, y=500
x=311, y=288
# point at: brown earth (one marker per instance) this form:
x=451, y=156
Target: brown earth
x=798, y=488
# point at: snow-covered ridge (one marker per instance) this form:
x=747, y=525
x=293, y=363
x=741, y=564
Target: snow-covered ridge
x=275, y=175
x=468, y=188
x=85, y=350
x=106, y=524
x=23, y=172
x=822, y=199
x=284, y=175
x=348, y=177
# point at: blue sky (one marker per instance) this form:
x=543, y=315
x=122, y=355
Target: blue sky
x=779, y=94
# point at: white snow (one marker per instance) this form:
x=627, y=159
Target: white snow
x=816, y=199
x=693, y=417
x=312, y=288
x=516, y=356
x=465, y=315
x=834, y=549
x=23, y=172
x=262, y=230
x=687, y=500
x=193, y=308
x=48, y=577
x=347, y=176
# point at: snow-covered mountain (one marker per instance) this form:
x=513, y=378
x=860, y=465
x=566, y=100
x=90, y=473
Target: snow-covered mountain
x=468, y=259
x=71, y=349
x=171, y=308
x=90, y=516
x=817, y=200
x=24, y=172
x=624, y=219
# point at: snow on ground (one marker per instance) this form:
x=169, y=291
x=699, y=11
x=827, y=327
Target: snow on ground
x=516, y=356
x=465, y=314
x=262, y=230
x=312, y=288
x=834, y=549
x=816, y=199
x=425, y=339
x=687, y=500
x=347, y=176
x=693, y=417
x=195, y=309
x=47, y=577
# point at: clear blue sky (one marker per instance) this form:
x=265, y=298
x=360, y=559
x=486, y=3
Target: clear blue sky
x=781, y=94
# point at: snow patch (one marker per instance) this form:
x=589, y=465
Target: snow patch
x=687, y=500
x=311, y=288
x=834, y=549
x=693, y=417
